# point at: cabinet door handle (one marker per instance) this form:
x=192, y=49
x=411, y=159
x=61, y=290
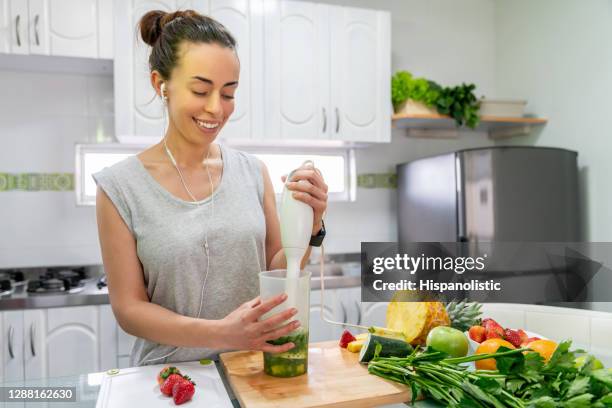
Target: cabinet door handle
x=17, y=20
x=324, y=120
x=11, y=332
x=36, y=18
x=358, y=312
x=32, y=335
x=337, y=120
x=344, y=313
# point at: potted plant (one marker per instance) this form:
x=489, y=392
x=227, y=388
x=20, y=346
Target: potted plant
x=414, y=96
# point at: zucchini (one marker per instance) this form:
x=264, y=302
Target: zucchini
x=390, y=348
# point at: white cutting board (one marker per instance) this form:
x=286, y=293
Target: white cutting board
x=137, y=387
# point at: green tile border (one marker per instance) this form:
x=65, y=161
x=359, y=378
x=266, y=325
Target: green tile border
x=377, y=180
x=65, y=181
x=36, y=182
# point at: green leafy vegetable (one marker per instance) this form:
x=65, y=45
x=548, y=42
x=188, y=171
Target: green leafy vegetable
x=404, y=86
x=521, y=381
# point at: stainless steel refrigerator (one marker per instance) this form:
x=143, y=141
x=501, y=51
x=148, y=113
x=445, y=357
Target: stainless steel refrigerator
x=492, y=194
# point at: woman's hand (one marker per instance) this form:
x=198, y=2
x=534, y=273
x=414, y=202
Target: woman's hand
x=309, y=187
x=243, y=330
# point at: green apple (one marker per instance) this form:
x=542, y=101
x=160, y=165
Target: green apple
x=451, y=341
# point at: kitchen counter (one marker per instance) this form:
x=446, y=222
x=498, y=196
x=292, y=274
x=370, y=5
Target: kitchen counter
x=88, y=386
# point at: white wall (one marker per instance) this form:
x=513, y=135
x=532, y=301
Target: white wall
x=449, y=41
x=558, y=55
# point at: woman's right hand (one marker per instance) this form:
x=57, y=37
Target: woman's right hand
x=243, y=330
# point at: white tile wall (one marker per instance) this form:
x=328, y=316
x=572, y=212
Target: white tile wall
x=42, y=117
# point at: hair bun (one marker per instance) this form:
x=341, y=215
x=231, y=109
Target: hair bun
x=151, y=26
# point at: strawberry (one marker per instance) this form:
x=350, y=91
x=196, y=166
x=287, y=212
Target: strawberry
x=165, y=373
x=529, y=340
x=183, y=390
x=166, y=387
x=477, y=333
x=523, y=335
x=346, y=338
x=513, y=337
x=492, y=329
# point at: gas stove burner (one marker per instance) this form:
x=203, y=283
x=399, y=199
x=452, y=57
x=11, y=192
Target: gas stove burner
x=56, y=280
x=6, y=288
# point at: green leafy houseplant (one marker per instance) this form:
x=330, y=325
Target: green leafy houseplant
x=459, y=102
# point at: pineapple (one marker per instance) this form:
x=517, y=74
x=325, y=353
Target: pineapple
x=464, y=315
x=415, y=319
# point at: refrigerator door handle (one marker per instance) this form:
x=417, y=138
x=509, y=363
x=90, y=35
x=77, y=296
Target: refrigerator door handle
x=461, y=228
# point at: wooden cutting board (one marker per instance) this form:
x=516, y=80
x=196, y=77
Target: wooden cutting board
x=334, y=379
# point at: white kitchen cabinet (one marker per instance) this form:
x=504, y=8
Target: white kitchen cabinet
x=327, y=72
x=361, y=74
x=18, y=26
x=89, y=35
x=12, y=345
x=244, y=20
x=5, y=27
x=139, y=114
x=138, y=111
x=43, y=343
x=297, y=75
x=72, y=28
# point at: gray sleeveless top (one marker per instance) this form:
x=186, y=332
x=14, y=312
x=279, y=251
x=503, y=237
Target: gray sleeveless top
x=169, y=234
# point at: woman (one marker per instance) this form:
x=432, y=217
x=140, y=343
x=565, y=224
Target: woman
x=186, y=226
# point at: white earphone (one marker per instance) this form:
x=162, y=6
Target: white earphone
x=163, y=92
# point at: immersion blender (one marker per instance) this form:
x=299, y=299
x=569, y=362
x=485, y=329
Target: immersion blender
x=296, y=218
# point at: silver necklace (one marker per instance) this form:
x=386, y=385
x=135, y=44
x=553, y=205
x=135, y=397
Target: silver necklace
x=169, y=153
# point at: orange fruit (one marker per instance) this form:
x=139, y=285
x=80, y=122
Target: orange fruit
x=487, y=347
x=545, y=348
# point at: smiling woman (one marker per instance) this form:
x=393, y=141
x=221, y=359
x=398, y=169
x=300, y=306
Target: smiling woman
x=186, y=225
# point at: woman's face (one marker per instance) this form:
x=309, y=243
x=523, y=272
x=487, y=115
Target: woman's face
x=201, y=91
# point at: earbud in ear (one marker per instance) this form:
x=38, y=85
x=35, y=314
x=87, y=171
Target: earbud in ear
x=163, y=91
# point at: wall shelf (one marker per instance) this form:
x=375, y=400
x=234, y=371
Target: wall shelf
x=440, y=126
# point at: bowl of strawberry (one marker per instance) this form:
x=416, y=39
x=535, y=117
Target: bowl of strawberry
x=175, y=384
x=490, y=329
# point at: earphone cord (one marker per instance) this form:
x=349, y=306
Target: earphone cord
x=212, y=217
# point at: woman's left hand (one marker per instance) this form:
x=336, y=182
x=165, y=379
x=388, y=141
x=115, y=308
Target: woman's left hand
x=309, y=187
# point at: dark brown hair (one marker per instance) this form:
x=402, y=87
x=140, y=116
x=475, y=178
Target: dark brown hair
x=164, y=32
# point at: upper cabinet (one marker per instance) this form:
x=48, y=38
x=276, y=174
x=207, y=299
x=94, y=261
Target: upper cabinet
x=297, y=75
x=327, y=72
x=308, y=71
x=70, y=28
x=244, y=19
x=361, y=74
